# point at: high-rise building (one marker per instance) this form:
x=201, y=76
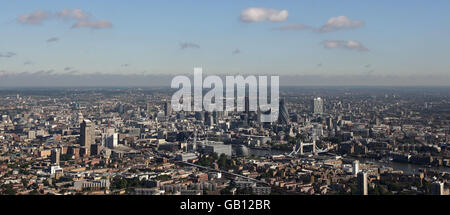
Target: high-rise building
x=437, y=188
x=167, y=109
x=247, y=105
x=200, y=116
x=247, y=110
x=209, y=120
x=87, y=134
x=112, y=140
x=318, y=106
x=283, y=114
x=330, y=123
x=355, y=167
x=54, y=157
x=148, y=108
x=217, y=115
x=95, y=149
x=362, y=183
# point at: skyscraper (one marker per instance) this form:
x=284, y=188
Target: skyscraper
x=55, y=156
x=318, y=106
x=167, y=108
x=247, y=105
x=200, y=115
x=283, y=114
x=87, y=135
x=437, y=188
x=355, y=167
x=362, y=183
x=148, y=108
x=209, y=120
x=112, y=140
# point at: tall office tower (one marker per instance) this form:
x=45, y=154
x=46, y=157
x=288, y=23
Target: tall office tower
x=87, y=134
x=318, y=106
x=200, y=116
x=247, y=105
x=362, y=183
x=112, y=140
x=437, y=188
x=108, y=132
x=148, y=109
x=209, y=120
x=167, y=109
x=330, y=123
x=216, y=116
x=283, y=114
x=95, y=149
x=355, y=167
x=247, y=109
x=54, y=157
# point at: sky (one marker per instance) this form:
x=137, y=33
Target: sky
x=349, y=39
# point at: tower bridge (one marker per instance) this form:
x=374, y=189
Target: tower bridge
x=298, y=150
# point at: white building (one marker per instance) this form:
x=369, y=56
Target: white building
x=110, y=138
x=318, y=106
x=55, y=169
x=112, y=141
x=355, y=169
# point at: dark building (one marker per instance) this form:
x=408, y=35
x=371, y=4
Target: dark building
x=167, y=109
x=200, y=116
x=209, y=120
x=87, y=134
x=55, y=156
x=283, y=114
x=95, y=149
x=362, y=183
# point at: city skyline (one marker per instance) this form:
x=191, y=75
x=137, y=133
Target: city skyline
x=128, y=141
x=307, y=43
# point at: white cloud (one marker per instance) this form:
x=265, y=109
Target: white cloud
x=35, y=18
x=81, y=18
x=262, y=14
x=342, y=44
x=333, y=24
x=92, y=24
x=76, y=14
x=298, y=27
x=340, y=22
x=186, y=45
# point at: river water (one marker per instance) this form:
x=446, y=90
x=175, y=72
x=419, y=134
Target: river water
x=407, y=168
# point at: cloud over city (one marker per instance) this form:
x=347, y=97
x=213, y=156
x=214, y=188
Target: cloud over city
x=332, y=24
x=80, y=18
x=7, y=54
x=263, y=14
x=342, y=44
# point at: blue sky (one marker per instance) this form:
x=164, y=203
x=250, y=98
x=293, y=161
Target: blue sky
x=402, y=38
